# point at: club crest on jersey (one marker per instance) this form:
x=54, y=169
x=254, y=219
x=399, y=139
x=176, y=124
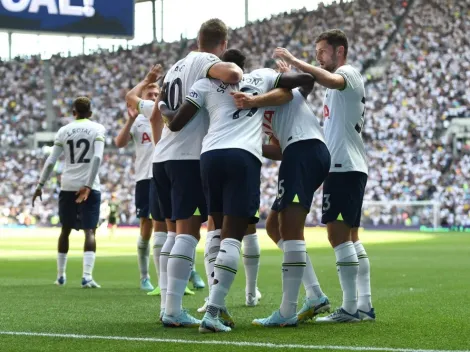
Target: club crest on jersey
x=145, y=138
x=326, y=111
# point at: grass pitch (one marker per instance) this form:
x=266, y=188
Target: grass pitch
x=420, y=290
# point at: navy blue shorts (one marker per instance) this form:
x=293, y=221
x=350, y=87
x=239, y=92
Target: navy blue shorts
x=155, y=210
x=81, y=216
x=304, y=167
x=231, y=181
x=343, y=193
x=179, y=189
x=142, y=198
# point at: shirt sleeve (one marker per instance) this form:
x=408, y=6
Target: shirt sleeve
x=352, y=78
x=270, y=78
x=145, y=107
x=198, y=92
x=101, y=134
x=204, y=63
x=58, y=140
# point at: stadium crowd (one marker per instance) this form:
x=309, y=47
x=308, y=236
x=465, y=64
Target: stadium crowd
x=426, y=83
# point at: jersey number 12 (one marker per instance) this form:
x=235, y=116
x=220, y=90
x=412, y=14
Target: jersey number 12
x=80, y=142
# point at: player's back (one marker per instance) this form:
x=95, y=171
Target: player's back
x=184, y=144
x=231, y=127
x=77, y=139
x=343, y=111
x=292, y=122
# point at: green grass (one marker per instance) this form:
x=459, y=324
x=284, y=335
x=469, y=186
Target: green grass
x=420, y=286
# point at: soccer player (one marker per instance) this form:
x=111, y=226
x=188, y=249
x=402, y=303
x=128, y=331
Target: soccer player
x=297, y=140
x=138, y=128
x=343, y=190
x=230, y=166
x=82, y=141
x=176, y=168
x=160, y=225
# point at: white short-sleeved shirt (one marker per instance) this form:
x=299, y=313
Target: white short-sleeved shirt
x=292, y=122
x=77, y=139
x=141, y=133
x=230, y=127
x=343, y=112
x=184, y=144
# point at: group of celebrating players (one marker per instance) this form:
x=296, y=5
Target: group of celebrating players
x=203, y=131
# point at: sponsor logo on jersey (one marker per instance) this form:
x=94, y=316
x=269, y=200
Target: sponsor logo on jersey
x=326, y=111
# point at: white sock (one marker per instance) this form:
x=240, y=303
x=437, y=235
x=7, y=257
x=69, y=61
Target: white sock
x=251, y=254
x=179, y=269
x=280, y=244
x=348, y=267
x=194, y=260
x=225, y=269
x=212, y=252
x=293, y=268
x=208, y=269
x=164, y=255
x=88, y=264
x=159, y=239
x=364, y=301
x=310, y=281
x=61, y=264
x=143, y=254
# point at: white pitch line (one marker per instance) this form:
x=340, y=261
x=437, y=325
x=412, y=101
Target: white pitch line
x=214, y=342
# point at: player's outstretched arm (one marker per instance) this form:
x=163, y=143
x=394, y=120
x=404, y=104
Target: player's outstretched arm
x=227, y=72
x=272, y=150
x=124, y=136
x=177, y=119
x=323, y=77
x=291, y=80
x=133, y=96
x=275, y=97
x=57, y=149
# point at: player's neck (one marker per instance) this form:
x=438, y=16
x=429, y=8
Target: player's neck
x=209, y=51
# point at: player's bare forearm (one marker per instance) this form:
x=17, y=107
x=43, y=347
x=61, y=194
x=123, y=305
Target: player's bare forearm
x=133, y=96
x=323, y=77
x=275, y=97
x=156, y=123
x=124, y=135
x=272, y=152
x=227, y=72
x=177, y=119
x=291, y=80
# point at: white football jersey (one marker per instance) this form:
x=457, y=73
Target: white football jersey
x=292, y=122
x=184, y=144
x=230, y=127
x=141, y=133
x=343, y=112
x=77, y=139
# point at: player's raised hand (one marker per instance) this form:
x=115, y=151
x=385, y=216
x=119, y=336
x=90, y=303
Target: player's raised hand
x=37, y=193
x=82, y=194
x=242, y=100
x=132, y=112
x=283, y=54
x=283, y=66
x=155, y=73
